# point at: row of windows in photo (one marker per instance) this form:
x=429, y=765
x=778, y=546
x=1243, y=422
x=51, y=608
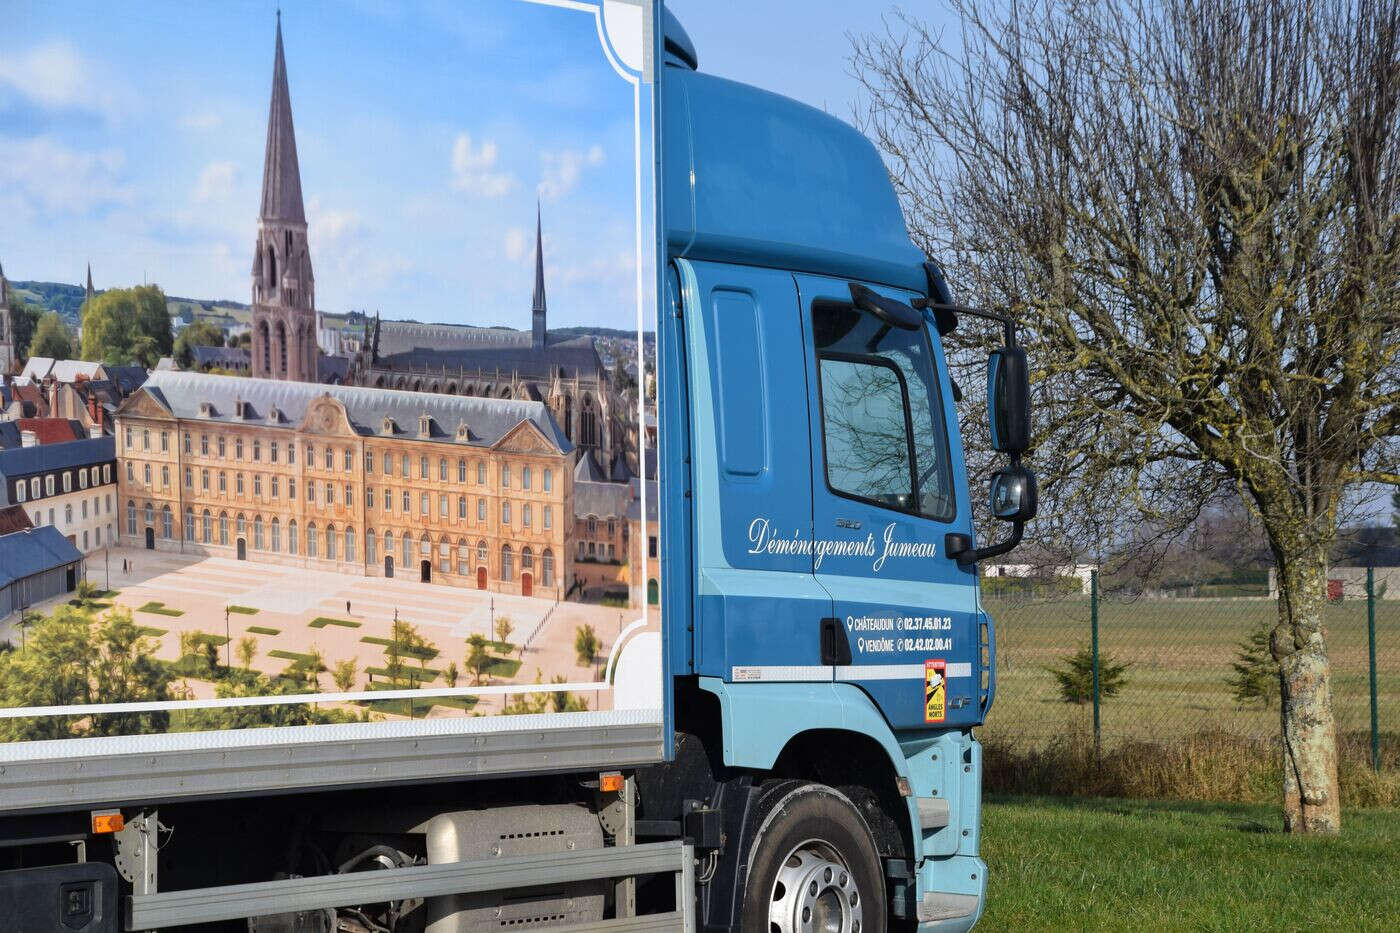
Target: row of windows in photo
x=334, y=544
x=332, y=494
x=68, y=511
x=53, y=482
x=347, y=457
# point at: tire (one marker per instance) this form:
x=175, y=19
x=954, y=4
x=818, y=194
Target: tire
x=812, y=865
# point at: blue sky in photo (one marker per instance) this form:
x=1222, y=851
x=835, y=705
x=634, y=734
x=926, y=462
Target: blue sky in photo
x=133, y=137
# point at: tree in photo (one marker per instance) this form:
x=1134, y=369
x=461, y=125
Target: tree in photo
x=344, y=674
x=247, y=651
x=198, y=334
x=127, y=325
x=24, y=320
x=478, y=656
x=71, y=658
x=405, y=646
x=126, y=671
x=451, y=675
x=1193, y=211
x=504, y=628
x=562, y=701
x=51, y=338
x=1075, y=676
x=1255, y=677
x=586, y=645
x=311, y=669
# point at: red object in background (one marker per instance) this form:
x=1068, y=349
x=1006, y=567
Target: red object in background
x=1334, y=591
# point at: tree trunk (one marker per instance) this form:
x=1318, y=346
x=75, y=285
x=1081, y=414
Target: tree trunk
x=1311, y=799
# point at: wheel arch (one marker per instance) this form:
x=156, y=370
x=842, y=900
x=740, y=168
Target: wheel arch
x=791, y=730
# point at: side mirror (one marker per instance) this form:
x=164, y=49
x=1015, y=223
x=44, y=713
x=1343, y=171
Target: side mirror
x=1013, y=494
x=1008, y=400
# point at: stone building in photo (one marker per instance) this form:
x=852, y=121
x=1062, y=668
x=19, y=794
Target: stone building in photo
x=69, y=486
x=567, y=374
x=472, y=492
x=284, y=288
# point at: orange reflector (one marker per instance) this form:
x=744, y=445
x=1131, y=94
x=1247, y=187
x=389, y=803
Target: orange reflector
x=108, y=821
x=610, y=783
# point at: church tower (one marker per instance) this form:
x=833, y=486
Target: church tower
x=89, y=293
x=9, y=353
x=539, y=330
x=284, y=290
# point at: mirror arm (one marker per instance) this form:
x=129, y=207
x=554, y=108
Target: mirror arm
x=970, y=555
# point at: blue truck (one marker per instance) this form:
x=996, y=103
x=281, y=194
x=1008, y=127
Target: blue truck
x=825, y=657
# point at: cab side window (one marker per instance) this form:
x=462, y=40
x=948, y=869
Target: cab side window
x=883, y=431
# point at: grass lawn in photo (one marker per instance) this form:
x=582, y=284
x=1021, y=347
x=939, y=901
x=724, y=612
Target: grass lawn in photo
x=160, y=609
x=422, y=675
x=408, y=651
x=150, y=631
x=503, y=668
x=323, y=621
x=244, y=610
x=264, y=630
x=416, y=708
x=1096, y=864
x=295, y=657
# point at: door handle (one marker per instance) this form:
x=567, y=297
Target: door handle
x=835, y=648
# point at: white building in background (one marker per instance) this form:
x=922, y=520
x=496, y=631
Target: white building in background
x=1082, y=572
x=69, y=486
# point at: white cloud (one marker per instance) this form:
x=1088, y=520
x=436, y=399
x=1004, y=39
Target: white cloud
x=216, y=182
x=202, y=121
x=48, y=176
x=54, y=75
x=332, y=225
x=560, y=171
x=517, y=244
x=474, y=169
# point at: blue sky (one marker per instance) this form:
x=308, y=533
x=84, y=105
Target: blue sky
x=134, y=140
x=798, y=48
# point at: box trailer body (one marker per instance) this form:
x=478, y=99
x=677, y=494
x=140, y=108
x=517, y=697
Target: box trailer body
x=807, y=755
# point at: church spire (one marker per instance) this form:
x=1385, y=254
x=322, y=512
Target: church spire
x=88, y=295
x=540, y=331
x=281, y=192
x=284, y=288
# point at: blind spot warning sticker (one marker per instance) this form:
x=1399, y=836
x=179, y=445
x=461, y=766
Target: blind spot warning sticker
x=935, y=690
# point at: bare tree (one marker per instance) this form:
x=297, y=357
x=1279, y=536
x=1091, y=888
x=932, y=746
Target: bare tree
x=1193, y=207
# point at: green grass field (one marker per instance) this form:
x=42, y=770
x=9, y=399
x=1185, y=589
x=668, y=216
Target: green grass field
x=244, y=610
x=1181, y=651
x=264, y=630
x=160, y=609
x=1082, y=864
x=323, y=621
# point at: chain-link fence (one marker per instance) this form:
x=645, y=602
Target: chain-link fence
x=1081, y=666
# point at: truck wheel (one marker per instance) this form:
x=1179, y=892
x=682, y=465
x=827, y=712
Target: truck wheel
x=813, y=867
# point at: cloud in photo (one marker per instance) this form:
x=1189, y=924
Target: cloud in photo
x=560, y=171
x=52, y=177
x=53, y=75
x=474, y=169
x=216, y=182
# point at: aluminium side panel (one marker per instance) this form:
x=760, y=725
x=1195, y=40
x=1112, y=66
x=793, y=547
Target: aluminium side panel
x=385, y=504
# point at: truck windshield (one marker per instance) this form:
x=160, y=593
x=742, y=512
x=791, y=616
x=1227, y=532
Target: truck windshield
x=882, y=415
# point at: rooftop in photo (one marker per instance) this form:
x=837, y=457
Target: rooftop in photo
x=274, y=403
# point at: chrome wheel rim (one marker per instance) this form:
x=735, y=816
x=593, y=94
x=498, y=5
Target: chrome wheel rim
x=815, y=892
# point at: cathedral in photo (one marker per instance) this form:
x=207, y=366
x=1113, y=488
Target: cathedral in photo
x=592, y=399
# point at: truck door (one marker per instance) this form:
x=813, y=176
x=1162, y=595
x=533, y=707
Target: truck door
x=758, y=605
x=888, y=485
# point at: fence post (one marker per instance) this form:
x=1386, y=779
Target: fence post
x=1371, y=644
x=1094, y=648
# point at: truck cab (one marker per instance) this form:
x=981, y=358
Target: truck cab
x=815, y=484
